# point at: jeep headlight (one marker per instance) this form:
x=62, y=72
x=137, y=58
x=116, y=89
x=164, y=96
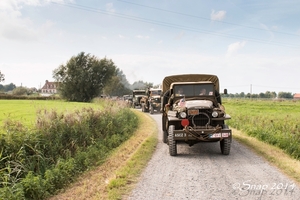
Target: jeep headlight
x=214, y=114
x=182, y=115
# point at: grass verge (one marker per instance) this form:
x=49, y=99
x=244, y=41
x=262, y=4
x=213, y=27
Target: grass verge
x=275, y=156
x=118, y=175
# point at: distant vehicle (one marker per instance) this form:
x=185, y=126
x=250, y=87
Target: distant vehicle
x=136, y=97
x=128, y=99
x=193, y=112
x=152, y=101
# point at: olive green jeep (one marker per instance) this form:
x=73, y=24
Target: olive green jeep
x=192, y=112
x=137, y=95
x=152, y=101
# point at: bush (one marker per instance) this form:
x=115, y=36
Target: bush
x=36, y=163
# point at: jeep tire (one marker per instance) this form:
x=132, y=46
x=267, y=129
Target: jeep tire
x=225, y=145
x=172, y=141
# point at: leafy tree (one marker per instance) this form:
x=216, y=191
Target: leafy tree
x=262, y=95
x=287, y=95
x=2, y=77
x=83, y=77
x=141, y=85
x=118, y=85
x=9, y=87
x=20, y=91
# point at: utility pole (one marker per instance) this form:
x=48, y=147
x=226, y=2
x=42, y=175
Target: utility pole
x=250, y=91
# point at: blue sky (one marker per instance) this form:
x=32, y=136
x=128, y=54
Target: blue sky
x=247, y=44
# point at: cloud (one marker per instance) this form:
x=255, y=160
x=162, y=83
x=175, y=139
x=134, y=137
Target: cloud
x=110, y=7
x=234, y=47
x=121, y=36
x=218, y=15
x=143, y=37
x=14, y=26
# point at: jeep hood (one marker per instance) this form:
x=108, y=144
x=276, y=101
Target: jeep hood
x=199, y=104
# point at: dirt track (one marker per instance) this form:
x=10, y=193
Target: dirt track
x=202, y=172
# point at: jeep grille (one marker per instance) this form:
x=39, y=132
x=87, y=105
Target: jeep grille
x=201, y=120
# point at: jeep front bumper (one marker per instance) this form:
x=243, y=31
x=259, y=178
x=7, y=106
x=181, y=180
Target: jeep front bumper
x=189, y=133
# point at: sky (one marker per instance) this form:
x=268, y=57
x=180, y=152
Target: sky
x=252, y=46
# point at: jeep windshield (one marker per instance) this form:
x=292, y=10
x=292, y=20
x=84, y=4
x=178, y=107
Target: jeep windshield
x=156, y=92
x=193, y=90
x=139, y=93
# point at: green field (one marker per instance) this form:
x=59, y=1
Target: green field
x=273, y=121
x=26, y=111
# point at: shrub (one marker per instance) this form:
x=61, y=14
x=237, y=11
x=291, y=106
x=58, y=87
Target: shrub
x=36, y=163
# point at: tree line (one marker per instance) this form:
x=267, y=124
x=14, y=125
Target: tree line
x=85, y=77
x=266, y=95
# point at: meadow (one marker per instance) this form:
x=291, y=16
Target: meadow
x=275, y=122
x=45, y=145
x=26, y=111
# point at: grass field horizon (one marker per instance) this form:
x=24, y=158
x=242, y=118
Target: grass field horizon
x=25, y=111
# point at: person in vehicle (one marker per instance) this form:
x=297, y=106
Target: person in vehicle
x=203, y=91
x=179, y=92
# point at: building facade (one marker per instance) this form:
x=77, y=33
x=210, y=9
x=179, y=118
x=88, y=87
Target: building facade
x=49, y=88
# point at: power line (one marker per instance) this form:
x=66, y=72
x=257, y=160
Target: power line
x=204, y=18
x=90, y=9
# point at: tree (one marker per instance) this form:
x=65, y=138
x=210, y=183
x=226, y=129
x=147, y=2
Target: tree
x=83, y=77
x=9, y=87
x=286, y=95
x=118, y=85
x=2, y=77
x=141, y=85
x=20, y=91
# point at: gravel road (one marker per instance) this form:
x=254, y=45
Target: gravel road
x=202, y=172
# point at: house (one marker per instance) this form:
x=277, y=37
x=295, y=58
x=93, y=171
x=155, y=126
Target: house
x=297, y=96
x=49, y=88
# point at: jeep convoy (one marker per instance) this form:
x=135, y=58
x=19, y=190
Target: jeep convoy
x=192, y=112
x=152, y=101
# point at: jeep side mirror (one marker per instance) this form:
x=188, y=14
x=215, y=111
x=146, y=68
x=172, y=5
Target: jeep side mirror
x=225, y=91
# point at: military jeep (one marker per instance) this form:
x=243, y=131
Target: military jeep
x=193, y=112
x=136, y=97
x=152, y=101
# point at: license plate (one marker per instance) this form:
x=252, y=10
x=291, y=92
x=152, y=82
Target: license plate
x=225, y=135
x=193, y=112
x=179, y=135
x=216, y=135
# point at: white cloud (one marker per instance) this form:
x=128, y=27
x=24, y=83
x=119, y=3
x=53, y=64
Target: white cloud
x=110, y=7
x=14, y=26
x=143, y=36
x=234, y=47
x=218, y=15
x=121, y=36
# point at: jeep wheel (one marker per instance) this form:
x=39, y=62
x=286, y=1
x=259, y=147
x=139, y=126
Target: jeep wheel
x=172, y=141
x=225, y=146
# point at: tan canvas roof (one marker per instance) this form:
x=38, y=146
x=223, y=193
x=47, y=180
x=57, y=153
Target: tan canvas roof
x=168, y=80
